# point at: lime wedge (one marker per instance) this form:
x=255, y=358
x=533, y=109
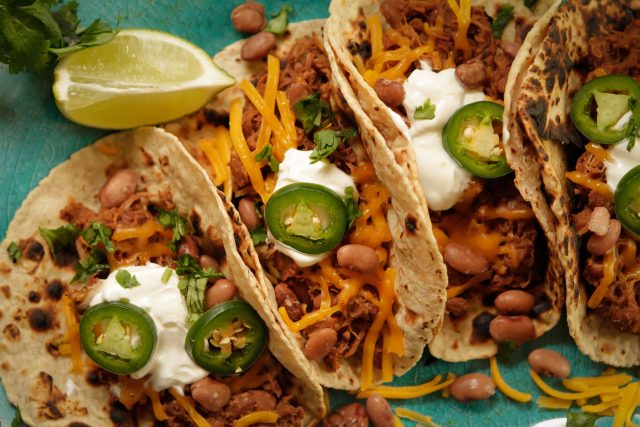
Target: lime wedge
x=141, y=77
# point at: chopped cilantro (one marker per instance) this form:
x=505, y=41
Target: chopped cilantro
x=126, y=279
x=94, y=263
x=166, y=275
x=173, y=221
x=96, y=234
x=426, y=111
x=581, y=419
x=312, y=111
x=192, y=284
x=501, y=20
x=258, y=235
x=278, y=23
x=327, y=141
x=267, y=154
x=633, y=128
x=14, y=252
x=61, y=238
x=351, y=205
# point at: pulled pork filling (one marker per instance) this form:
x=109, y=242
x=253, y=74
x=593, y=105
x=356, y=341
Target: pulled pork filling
x=139, y=237
x=609, y=258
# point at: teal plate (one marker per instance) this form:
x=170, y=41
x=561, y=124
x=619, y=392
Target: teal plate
x=34, y=138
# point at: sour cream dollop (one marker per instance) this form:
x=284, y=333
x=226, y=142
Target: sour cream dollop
x=442, y=179
x=170, y=365
x=297, y=167
x=621, y=161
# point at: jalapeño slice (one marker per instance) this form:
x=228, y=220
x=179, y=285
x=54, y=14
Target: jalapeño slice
x=608, y=99
x=118, y=336
x=627, y=201
x=308, y=217
x=469, y=137
x=227, y=339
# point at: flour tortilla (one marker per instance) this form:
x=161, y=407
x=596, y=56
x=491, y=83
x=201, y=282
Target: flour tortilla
x=40, y=384
x=454, y=343
x=540, y=130
x=420, y=272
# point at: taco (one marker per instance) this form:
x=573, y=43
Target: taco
x=129, y=297
x=432, y=75
x=575, y=124
x=353, y=268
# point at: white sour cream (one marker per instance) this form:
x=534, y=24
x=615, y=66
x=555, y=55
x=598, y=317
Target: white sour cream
x=170, y=365
x=442, y=179
x=297, y=167
x=621, y=161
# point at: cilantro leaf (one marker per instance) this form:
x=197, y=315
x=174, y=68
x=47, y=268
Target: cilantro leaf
x=192, y=284
x=327, y=141
x=17, y=419
x=426, y=111
x=258, y=235
x=311, y=111
x=351, y=205
x=633, y=128
x=278, y=24
x=126, y=279
x=173, y=221
x=267, y=154
x=14, y=251
x=98, y=233
x=94, y=263
x=501, y=20
x=166, y=275
x=60, y=239
x=96, y=34
x=581, y=419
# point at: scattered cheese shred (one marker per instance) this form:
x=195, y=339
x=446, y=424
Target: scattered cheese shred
x=446, y=392
x=271, y=87
x=462, y=11
x=131, y=390
x=548, y=402
x=597, y=151
x=590, y=183
x=397, y=422
x=599, y=407
x=454, y=291
x=198, y=419
x=143, y=231
x=604, y=380
x=609, y=275
x=73, y=334
x=627, y=405
x=374, y=24
x=409, y=392
x=288, y=123
x=513, y=394
x=156, y=405
x=414, y=416
x=267, y=417
x=387, y=360
x=218, y=152
x=570, y=396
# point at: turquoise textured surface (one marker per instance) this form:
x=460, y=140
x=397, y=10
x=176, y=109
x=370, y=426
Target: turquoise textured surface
x=34, y=137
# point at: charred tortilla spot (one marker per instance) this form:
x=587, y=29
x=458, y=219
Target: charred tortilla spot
x=40, y=320
x=6, y=291
x=49, y=397
x=5, y=366
x=164, y=161
x=33, y=250
x=34, y=297
x=119, y=415
x=54, y=290
x=98, y=377
x=147, y=157
x=537, y=109
x=67, y=257
x=11, y=331
x=410, y=223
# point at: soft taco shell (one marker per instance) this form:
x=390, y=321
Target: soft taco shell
x=541, y=128
x=455, y=341
x=41, y=384
x=420, y=272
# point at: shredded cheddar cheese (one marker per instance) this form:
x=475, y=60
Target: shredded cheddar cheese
x=609, y=275
x=511, y=393
x=454, y=291
x=548, y=402
x=269, y=417
x=570, y=396
x=597, y=151
x=414, y=416
x=397, y=422
x=374, y=25
x=195, y=416
x=409, y=392
x=627, y=405
x=605, y=380
x=271, y=87
x=73, y=334
x=156, y=405
x=218, y=152
x=131, y=391
x=288, y=123
x=462, y=10
x=590, y=183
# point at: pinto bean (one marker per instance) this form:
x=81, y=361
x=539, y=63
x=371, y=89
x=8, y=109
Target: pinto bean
x=515, y=301
x=357, y=257
x=320, y=343
x=475, y=386
x=286, y=298
x=248, y=17
x=379, y=411
x=188, y=246
x=221, y=291
x=599, y=221
x=351, y=415
x=599, y=245
x=510, y=49
x=512, y=328
x=472, y=73
x=248, y=214
x=464, y=259
x=118, y=188
x=251, y=401
x=549, y=363
x=257, y=46
x=207, y=261
x=390, y=92
x=296, y=91
x=211, y=394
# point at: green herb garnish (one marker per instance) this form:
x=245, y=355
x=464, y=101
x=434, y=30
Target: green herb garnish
x=426, y=111
x=17, y=419
x=166, y=275
x=312, y=111
x=351, y=205
x=258, y=235
x=327, y=141
x=94, y=263
x=172, y=220
x=126, y=279
x=96, y=234
x=267, y=154
x=61, y=238
x=14, y=251
x=192, y=284
x=581, y=419
x=278, y=23
x=501, y=20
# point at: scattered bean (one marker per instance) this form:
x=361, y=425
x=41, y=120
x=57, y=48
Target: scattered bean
x=472, y=73
x=320, y=343
x=248, y=17
x=248, y=214
x=599, y=221
x=211, y=394
x=357, y=257
x=390, y=92
x=475, y=386
x=207, y=261
x=512, y=328
x=258, y=46
x=296, y=91
x=351, y=415
x=549, y=363
x=379, y=411
x=510, y=49
x=188, y=246
x=464, y=259
x=222, y=290
x=118, y=188
x=599, y=245
x=515, y=301
x=252, y=401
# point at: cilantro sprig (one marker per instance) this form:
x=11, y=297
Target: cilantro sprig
x=14, y=251
x=98, y=234
x=504, y=16
x=328, y=140
x=172, y=220
x=278, y=24
x=426, y=111
x=351, y=206
x=127, y=280
x=267, y=154
x=92, y=264
x=312, y=112
x=192, y=284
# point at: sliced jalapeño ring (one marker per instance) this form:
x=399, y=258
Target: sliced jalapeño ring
x=470, y=138
x=118, y=336
x=227, y=339
x=609, y=98
x=308, y=217
x=627, y=201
